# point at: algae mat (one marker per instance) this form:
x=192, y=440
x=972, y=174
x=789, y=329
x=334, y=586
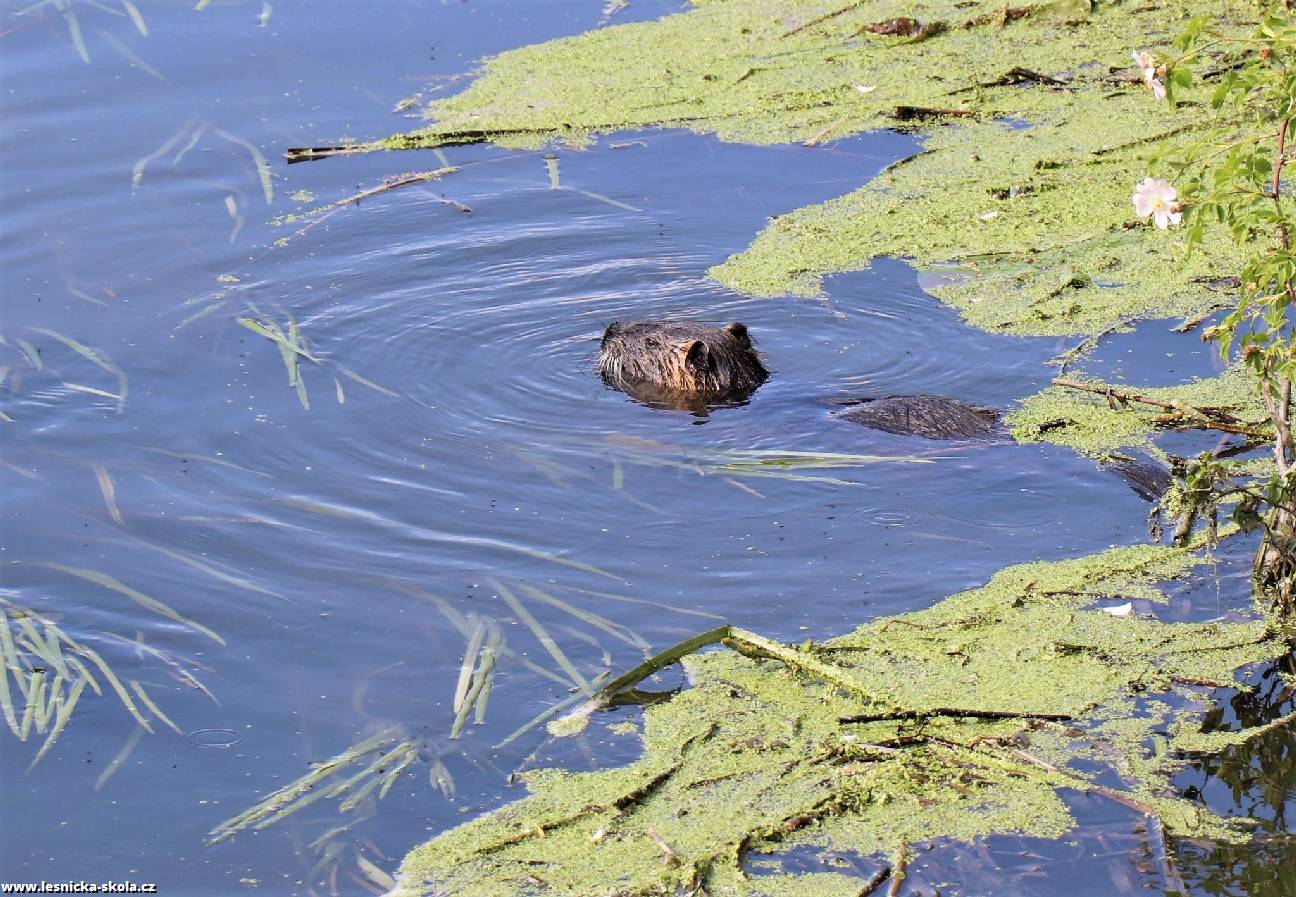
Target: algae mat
x=958, y=721
x=1039, y=129
x=968, y=718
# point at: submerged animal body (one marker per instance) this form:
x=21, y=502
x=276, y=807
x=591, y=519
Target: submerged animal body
x=681, y=364
x=932, y=417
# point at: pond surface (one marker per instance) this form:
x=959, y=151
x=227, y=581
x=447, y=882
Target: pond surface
x=450, y=455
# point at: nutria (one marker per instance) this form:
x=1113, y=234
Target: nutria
x=932, y=417
x=680, y=364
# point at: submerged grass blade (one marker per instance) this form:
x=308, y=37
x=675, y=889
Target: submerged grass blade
x=93, y=656
x=541, y=634
x=469, y=660
x=134, y=13
x=91, y=390
x=33, y=356
x=153, y=708
x=616, y=630
x=551, y=166
x=439, y=778
x=108, y=582
x=122, y=756
x=272, y=332
x=347, y=372
x=6, y=701
x=66, y=707
x=109, y=493
x=89, y=355
x=132, y=57
x=375, y=875
x=258, y=159
x=458, y=621
x=211, y=568
x=74, y=29
x=607, y=199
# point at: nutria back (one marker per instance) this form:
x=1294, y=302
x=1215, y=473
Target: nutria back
x=681, y=364
x=932, y=417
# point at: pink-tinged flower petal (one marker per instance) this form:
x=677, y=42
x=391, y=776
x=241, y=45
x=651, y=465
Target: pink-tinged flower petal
x=1143, y=205
x=1175, y=217
x=1158, y=89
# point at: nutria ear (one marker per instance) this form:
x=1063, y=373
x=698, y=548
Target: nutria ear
x=612, y=330
x=739, y=332
x=698, y=356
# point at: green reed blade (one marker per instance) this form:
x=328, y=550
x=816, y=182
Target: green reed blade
x=135, y=16
x=66, y=706
x=53, y=645
x=32, y=355
x=118, y=761
x=274, y=334
x=542, y=717
x=74, y=29
x=218, y=572
x=390, y=778
x=492, y=649
x=458, y=621
x=439, y=778
x=34, y=686
x=347, y=372
x=601, y=198
x=153, y=708
x=132, y=57
x=616, y=630
x=201, y=313
x=93, y=357
x=6, y=701
x=93, y=656
x=541, y=634
x=92, y=390
x=86, y=675
x=109, y=491
x=377, y=876
x=288, y=794
x=469, y=660
x=108, y=582
x=258, y=159
x=47, y=706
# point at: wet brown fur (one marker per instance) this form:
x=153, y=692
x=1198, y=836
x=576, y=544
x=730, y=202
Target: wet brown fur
x=681, y=364
x=933, y=417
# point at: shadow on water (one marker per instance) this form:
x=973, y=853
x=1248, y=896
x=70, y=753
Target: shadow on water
x=379, y=464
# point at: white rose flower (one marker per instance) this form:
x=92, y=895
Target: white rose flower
x=1156, y=198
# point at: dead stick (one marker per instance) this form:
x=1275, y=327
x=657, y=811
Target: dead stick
x=954, y=711
x=1179, y=409
x=1085, y=785
x=898, y=873
x=810, y=23
x=875, y=882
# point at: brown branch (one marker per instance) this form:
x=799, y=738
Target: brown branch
x=875, y=882
x=1180, y=412
x=898, y=873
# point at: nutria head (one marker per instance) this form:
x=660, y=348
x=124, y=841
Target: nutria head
x=680, y=364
